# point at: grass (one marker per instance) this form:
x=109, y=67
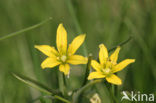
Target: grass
x=103, y=21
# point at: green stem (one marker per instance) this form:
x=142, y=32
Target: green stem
x=87, y=69
x=121, y=44
x=24, y=30
x=62, y=99
x=78, y=93
x=52, y=97
x=113, y=92
x=37, y=85
x=61, y=83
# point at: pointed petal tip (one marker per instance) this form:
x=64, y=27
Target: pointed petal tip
x=61, y=24
x=132, y=60
x=100, y=45
x=119, y=83
x=43, y=67
x=89, y=78
x=36, y=46
x=118, y=47
x=83, y=35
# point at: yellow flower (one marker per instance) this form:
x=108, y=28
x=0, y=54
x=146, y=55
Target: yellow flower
x=108, y=66
x=63, y=57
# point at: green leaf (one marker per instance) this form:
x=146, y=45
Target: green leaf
x=24, y=30
x=40, y=87
x=34, y=84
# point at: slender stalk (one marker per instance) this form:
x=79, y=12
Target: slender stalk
x=39, y=86
x=52, y=97
x=35, y=84
x=121, y=44
x=114, y=92
x=62, y=99
x=24, y=30
x=78, y=93
x=87, y=69
x=61, y=83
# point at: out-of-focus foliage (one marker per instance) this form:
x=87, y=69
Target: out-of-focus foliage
x=104, y=21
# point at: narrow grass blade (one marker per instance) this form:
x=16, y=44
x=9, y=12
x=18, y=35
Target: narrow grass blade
x=76, y=22
x=52, y=97
x=147, y=53
x=121, y=44
x=34, y=84
x=24, y=30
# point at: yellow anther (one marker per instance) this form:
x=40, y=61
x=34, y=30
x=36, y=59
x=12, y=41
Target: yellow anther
x=63, y=58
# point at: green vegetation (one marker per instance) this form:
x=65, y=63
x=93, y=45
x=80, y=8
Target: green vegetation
x=110, y=22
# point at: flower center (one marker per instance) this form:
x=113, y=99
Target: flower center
x=106, y=70
x=63, y=58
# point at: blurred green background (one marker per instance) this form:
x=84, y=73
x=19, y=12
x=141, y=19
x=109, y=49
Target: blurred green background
x=104, y=21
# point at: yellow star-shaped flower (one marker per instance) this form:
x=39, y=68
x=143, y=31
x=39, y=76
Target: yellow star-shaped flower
x=63, y=56
x=108, y=66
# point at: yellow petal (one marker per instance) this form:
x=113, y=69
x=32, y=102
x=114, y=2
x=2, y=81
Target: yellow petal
x=103, y=53
x=94, y=75
x=47, y=50
x=64, y=68
x=114, y=79
x=114, y=56
x=77, y=59
x=122, y=65
x=76, y=43
x=61, y=39
x=96, y=65
x=49, y=63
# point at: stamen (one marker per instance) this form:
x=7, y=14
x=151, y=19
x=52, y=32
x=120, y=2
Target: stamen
x=106, y=71
x=63, y=58
x=57, y=58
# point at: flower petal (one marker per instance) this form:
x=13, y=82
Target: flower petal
x=61, y=39
x=77, y=59
x=94, y=75
x=103, y=53
x=47, y=50
x=122, y=65
x=96, y=65
x=76, y=43
x=114, y=56
x=49, y=63
x=64, y=68
x=114, y=79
